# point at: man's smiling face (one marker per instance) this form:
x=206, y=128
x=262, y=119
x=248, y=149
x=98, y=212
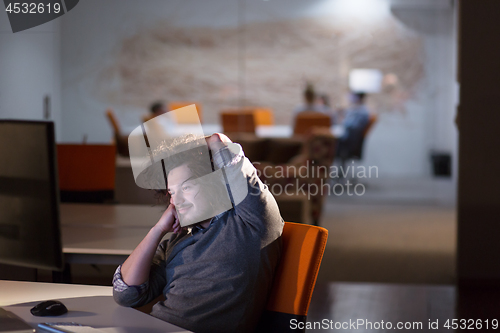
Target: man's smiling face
x=188, y=196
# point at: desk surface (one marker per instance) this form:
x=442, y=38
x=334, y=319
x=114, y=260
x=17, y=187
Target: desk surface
x=286, y=131
x=104, y=230
x=110, y=216
x=87, y=305
x=19, y=291
x=339, y=302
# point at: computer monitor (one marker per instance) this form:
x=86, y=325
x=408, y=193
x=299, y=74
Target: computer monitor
x=30, y=233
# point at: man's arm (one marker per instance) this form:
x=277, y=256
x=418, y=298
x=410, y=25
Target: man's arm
x=253, y=201
x=135, y=270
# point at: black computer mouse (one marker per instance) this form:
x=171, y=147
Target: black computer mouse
x=49, y=308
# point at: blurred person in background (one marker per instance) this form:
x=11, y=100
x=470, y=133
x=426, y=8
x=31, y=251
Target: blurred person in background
x=158, y=108
x=155, y=109
x=323, y=102
x=355, y=122
x=310, y=104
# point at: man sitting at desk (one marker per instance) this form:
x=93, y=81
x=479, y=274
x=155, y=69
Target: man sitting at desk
x=215, y=276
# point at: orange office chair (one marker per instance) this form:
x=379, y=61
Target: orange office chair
x=356, y=146
x=263, y=116
x=295, y=277
x=180, y=118
x=372, y=119
x=237, y=122
x=306, y=121
x=86, y=172
x=121, y=140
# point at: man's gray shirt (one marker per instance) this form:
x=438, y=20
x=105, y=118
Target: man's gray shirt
x=216, y=279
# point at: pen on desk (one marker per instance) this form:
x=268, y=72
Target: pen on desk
x=51, y=328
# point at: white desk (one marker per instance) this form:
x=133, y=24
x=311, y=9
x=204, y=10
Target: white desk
x=285, y=131
x=87, y=305
x=14, y=292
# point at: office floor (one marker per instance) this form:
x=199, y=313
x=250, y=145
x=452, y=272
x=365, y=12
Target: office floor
x=400, y=231
x=403, y=232
x=412, y=305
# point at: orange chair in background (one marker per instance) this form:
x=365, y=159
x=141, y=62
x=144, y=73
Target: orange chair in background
x=372, y=119
x=244, y=120
x=237, y=122
x=186, y=120
x=263, y=116
x=306, y=121
x=295, y=277
x=121, y=140
x=355, y=151
x=86, y=172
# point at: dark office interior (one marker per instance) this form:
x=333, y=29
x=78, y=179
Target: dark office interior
x=409, y=213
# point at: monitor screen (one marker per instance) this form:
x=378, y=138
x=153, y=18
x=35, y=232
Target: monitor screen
x=30, y=233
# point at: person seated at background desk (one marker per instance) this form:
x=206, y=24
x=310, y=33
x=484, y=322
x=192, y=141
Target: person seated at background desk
x=156, y=109
x=313, y=106
x=324, y=103
x=354, y=123
x=309, y=102
x=215, y=276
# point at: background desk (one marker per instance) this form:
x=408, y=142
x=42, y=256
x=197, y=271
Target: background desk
x=263, y=131
x=285, y=131
x=87, y=305
x=104, y=234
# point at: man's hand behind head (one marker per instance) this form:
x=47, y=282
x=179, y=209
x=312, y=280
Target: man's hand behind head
x=216, y=141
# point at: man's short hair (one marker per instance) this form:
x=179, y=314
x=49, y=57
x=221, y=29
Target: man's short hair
x=190, y=150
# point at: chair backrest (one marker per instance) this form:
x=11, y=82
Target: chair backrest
x=320, y=148
x=357, y=143
x=86, y=172
x=121, y=140
x=110, y=114
x=295, y=277
x=372, y=119
x=185, y=118
x=306, y=121
x=237, y=122
x=263, y=116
